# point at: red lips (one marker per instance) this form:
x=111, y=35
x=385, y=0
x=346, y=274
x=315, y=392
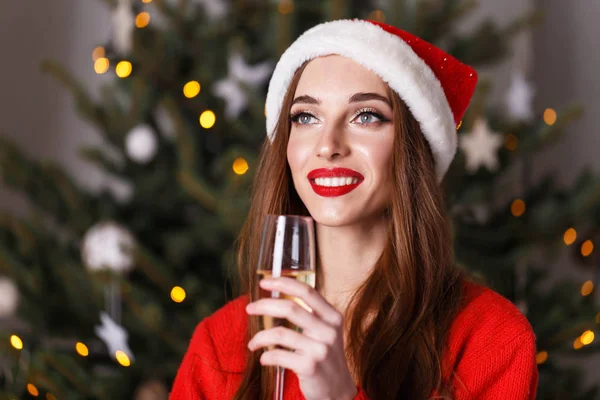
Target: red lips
x=330, y=191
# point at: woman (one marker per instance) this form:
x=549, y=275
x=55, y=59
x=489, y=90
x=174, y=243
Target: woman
x=361, y=119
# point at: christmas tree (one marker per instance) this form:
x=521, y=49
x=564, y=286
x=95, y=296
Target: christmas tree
x=106, y=288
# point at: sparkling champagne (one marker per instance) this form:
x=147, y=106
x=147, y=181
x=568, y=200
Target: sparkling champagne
x=307, y=277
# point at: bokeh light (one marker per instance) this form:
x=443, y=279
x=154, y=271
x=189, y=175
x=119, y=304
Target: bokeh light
x=178, y=294
x=207, y=119
x=240, y=166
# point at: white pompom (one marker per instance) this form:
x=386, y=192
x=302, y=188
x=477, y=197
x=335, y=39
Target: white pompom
x=108, y=245
x=141, y=144
x=9, y=297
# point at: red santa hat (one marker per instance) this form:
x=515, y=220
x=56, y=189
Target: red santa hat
x=436, y=87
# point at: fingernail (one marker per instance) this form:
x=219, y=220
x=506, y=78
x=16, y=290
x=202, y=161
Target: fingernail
x=250, y=308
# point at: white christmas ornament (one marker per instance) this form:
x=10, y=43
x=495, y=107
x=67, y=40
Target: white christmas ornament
x=108, y=245
x=519, y=98
x=123, y=21
x=141, y=144
x=481, y=147
x=114, y=336
x=239, y=73
x=9, y=297
x=215, y=9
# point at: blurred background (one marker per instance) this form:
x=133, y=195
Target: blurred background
x=129, y=132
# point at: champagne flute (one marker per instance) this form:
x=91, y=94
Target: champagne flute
x=287, y=249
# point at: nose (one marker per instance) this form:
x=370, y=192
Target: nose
x=332, y=143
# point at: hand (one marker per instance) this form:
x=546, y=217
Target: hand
x=318, y=359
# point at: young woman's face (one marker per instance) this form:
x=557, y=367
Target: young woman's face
x=341, y=141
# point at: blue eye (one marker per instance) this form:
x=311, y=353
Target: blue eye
x=303, y=118
x=369, y=117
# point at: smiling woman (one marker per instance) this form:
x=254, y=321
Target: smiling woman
x=361, y=122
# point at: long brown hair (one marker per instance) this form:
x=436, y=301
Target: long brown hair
x=414, y=290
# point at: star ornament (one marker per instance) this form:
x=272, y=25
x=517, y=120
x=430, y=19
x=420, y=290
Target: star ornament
x=481, y=147
x=231, y=88
x=519, y=98
x=114, y=336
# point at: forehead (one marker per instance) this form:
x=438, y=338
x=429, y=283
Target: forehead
x=336, y=75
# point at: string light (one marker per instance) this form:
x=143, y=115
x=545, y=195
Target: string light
x=378, y=15
x=207, y=119
x=98, y=52
x=142, y=19
x=16, y=342
x=178, y=294
x=517, y=208
x=587, y=337
x=32, y=390
x=123, y=69
x=82, y=349
x=577, y=343
x=122, y=358
x=285, y=6
x=511, y=142
x=240, y=166
x=549, y=116
x=146, y=1
x=101, y=65
x=586, y=248
x=541, y=357
x=570, y=236
x=50, y=396
x=191, y=89
x=587, y=288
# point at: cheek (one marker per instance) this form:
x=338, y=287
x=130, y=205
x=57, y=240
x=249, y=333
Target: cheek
x=378, y=154
x=298, y=154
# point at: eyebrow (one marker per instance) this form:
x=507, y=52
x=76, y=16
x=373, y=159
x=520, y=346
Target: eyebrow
x=355, y=98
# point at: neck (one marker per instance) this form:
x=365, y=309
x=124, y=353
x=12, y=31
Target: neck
x=346, y=255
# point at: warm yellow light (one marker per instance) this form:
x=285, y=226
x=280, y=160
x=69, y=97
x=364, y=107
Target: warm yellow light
x=122, y=358
x=82, y=349
x=549, y=116
x=32, y=390
x=191, y=89
x=511, y=142
x=50, y=396
x=146, y=1
x=517, y=208
x=541, y=357
x=285, y=6
x=577, y=344
x=378, y=15
x=587, y=288
x=207, y=119
x=16, y=342
x=177, y=294
x=123, y=69
x=98, y=52
x=240, y=166
x=142, y=19
x=586, y=248
x=570, y=236
x=101, y=65
x=587, y=337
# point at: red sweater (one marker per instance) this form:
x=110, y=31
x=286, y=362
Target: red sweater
x=491, y=350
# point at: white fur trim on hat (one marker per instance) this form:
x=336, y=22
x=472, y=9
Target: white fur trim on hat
x=393, y=60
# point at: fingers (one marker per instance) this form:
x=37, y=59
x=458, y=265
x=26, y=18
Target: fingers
x=299, y=364
x=310, y=324
x=288, y=338
x=310, y=296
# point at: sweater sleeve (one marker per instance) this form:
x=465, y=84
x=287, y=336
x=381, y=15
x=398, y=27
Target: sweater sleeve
x=197, y=375
x=509, y=372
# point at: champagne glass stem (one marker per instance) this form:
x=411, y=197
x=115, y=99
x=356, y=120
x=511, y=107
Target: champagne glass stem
x=280, y=374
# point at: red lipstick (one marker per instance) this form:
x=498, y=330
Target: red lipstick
x=334, y=191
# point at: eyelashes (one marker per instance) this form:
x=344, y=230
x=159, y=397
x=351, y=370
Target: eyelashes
x=296, y=117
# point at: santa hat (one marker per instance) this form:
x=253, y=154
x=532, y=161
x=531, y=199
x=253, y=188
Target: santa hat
x=436, y=87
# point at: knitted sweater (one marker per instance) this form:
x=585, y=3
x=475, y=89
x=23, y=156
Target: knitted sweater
x=491, y=351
